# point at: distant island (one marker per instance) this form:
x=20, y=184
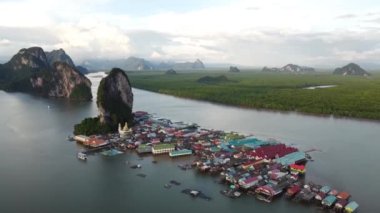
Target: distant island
x=140, y=64
x=290, y=68
x=351, y=69
x=48, y=74
x=171, y=72
x=233, y=69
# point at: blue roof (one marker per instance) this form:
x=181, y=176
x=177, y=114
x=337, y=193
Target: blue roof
x=291, y=158
x=329, y=200
x=249, y=142
x=226, y=148
x=214, y=149
x=352, y=206
x=325, y=189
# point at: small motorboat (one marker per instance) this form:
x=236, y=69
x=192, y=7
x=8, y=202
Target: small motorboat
x=141, y=175
x=82, y=156
x=174, y=182
x=138, y=166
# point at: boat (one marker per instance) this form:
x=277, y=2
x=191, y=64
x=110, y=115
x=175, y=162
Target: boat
x=343, y=195
x=196, y=194
x=174, y=182
x=329, y=201
x=204, y=168
x=184, y=166
x=141, y=175
x=237, y=194
x=351, y=207
x=325, y=189
x=339, y=205
x=231, y=193
x=320, y=196
x=267, y=193
x=292, y=191
x=82, y=156
x=305, y=195
x=138, y=166
x=333, y=192
x=342, y=201
x=167, y=186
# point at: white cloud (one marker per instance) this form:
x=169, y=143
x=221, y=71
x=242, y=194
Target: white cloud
x=250, y=32
x=4, y=42
x=93, y=40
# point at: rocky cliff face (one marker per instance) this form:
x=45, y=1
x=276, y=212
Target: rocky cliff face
x=70, y=83
x=59, y=56
x=115, y=99
x=32, y=71
x=351, y=69
x=32, y=58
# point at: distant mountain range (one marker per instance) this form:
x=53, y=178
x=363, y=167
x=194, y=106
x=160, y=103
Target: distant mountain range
x=291, y=68
x=139, y=64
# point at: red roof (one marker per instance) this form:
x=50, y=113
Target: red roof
x=250, y=180
x=272, y=151
x=265, y=189
x=343, y=195
x=297, y=167
x=294, y=189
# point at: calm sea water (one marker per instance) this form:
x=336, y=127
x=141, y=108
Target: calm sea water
x=39, y=171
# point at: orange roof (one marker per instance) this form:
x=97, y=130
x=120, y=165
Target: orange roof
x=297, y=167
x=94, y=142
x=343, y=195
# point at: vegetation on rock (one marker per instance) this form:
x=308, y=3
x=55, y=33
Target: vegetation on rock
x=114, y=101
x=91, y=126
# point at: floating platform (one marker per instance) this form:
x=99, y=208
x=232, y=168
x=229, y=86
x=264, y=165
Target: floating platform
x=182, y=152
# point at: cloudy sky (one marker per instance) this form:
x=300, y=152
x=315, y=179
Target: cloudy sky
x=245, y=32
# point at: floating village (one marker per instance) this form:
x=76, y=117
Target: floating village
x=265, y=169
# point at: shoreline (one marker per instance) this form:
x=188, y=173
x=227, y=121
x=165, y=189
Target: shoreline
x=316, y=115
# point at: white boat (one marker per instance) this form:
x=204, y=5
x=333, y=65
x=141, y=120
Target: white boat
x=82, y=156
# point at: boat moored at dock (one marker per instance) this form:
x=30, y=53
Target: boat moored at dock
x=351, y=207
x=292, y=191
x=267, y=193
x=329, y=201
